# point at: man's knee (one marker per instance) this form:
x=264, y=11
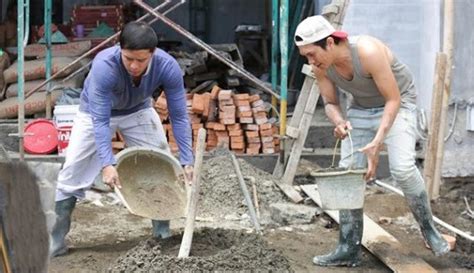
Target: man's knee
x=403, y=172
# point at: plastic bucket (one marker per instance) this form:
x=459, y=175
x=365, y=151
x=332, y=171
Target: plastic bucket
x=64, y=119
x=341, y=189
x=41, y=137
x=152, y=183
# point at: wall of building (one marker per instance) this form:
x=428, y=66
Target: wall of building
x=459, y=147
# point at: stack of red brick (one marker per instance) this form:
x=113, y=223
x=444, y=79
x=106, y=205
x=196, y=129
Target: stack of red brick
x=236, y=121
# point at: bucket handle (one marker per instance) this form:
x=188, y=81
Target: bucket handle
x=335, y=149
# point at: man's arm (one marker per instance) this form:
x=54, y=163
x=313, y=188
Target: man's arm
x=100, y=105
x=376, y=61
x=331, y=103
x=176, y=99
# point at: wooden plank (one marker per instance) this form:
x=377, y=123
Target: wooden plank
x=192, y=205
x=295, y=119
x=434, y=129
x=379, y=242
x=297, y=148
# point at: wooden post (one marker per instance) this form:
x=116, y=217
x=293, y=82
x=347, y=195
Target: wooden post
x=448, y=50
x=185, y=247
x=434, y=128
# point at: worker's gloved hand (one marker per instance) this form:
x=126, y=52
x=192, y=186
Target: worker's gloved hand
x=342, y=129
x=372, y=151
x=188, y=173
x=110, y=177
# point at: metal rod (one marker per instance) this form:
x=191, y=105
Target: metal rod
x=246, y=193
x=436, y=219
x=275, y=52
x=206, y=47
x=83, y=56
x=284, y=6
x=21, y=76
x=48, y=60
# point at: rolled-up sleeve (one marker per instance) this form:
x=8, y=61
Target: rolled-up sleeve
x=101, y=84
x=176, y=99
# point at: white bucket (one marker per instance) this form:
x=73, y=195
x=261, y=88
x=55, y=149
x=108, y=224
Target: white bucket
x=64, y=119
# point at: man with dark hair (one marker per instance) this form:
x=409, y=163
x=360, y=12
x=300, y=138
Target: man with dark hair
x=382, y=110
x=117, y=94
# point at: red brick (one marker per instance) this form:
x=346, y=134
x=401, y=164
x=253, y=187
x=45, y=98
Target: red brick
x=253, y=140
x=265, y=126
x=238, y=151
x=244, y=108
x=261, y=120
x=197, y=126
x=228, y=121
x=246, y=120
x=219, y=126
x=242, y=103
x=257, y=103
x=243, y=96
x=266, y=133
x=254, y=98
x=251, y=134
x=267, y=139
x=225, y=95
x=222, y=134
x=198, y=104
x=254, y=145
x=236, y=133
x=244, y=114
x=250, y=127
x=237, y=139
x=234, y=127
x=189, y=96
x=215, y=92
x=276, y=141
x=252, y=151
x=206, y=99
x=237, y=145
x=161, y=103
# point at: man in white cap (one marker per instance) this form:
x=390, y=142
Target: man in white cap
x=382, y=110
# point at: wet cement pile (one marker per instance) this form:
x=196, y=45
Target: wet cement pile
x=212, y=250
x=220, y=191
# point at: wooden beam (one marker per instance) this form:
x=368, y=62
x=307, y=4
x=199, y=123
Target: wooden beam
x=448, y=37
x=434, y=128
x=379, y=242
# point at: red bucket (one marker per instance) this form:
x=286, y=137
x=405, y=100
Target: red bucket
x=41, y=137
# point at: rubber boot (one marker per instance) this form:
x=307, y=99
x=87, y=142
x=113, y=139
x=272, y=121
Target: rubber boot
x=348, y=250
x=161, y=229
x=63, y=210
x=421, y=209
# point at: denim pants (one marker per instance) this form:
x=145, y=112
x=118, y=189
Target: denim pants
x=400, y=142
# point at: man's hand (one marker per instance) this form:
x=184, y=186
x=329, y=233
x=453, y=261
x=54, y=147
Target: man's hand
x=110, y=177
x=342, y=129
x=372, y=151
x=188, y=173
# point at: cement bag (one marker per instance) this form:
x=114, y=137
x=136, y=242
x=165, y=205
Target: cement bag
x=37, y=69
x=76, y=82
x=4, y=64
x=73, y=49
x=36, y=103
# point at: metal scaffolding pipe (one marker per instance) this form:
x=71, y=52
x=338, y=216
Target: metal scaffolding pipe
x=21, y=76
x=275, y=51
x=284, y=6
x=83, y=56
x=48, y=5
x=206, y=47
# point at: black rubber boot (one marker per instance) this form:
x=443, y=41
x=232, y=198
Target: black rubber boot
x=161, y=229
x=347, y=253
x=421, y=209
x=63, y=210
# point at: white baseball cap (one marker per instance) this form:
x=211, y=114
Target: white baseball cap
x=315, y=28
